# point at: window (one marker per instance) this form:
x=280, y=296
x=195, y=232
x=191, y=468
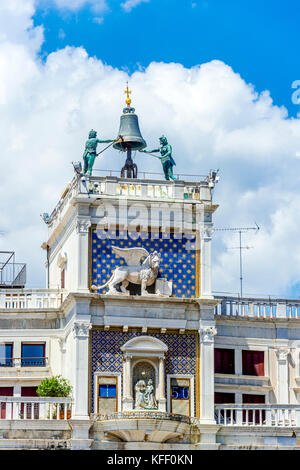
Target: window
x=33, y=355
x=249, y=398
x=222, y=397
x=62, y=278
x=224, y=415
x=107, y=391
x=253, y=363
x=224, y=361
x=251, y=416
x=107, y=394
x=5, y=392
x=26, y=410
x=29, y=392
x=6, y=351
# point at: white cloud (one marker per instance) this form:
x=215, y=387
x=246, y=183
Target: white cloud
x=128, y=5
x=211, y=116
x=97, y=6
x=74, y=5
x=16, y=24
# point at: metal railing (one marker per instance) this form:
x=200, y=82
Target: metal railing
x=23, y=361
x=258, y=415
x=258, y=307
x=31, y=298
x=150, y=175
x=11, y=273
x=35, y=408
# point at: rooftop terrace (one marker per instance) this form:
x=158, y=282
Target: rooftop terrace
x=149, y=186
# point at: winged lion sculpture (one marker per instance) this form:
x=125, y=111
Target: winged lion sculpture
x=144, y=274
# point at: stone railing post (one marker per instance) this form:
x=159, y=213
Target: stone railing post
x=178, y=189
x=297, y=416
x=281, y=310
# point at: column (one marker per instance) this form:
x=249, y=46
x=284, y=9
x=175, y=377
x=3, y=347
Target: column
x=207, y=385
x=127, y=384
x=63, y=350
x=282, y=375
x=238, y=363
x=205, y=262
x=81, y=362
x=17, y=352
x=162, y=402
x=83, y=226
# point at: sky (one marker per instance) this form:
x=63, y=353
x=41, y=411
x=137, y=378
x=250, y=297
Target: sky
x=220, y=79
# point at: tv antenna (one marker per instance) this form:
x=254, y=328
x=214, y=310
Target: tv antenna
x=240, y=231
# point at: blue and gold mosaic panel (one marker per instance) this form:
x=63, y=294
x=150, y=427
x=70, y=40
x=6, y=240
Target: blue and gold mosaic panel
x=106, y=354
x=178, y=257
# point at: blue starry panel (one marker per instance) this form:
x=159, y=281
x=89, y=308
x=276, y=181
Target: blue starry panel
x=178, y=257
x=106, y=354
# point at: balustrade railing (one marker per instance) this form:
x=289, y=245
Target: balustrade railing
x=152, y=188
x=258, y=415
x=143, y=188
x=31, y=298
x=35, y=408
x=146, y=415
x=259, y=308
x=23, y=362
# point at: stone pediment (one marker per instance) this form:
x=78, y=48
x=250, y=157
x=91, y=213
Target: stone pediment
x=145, y=344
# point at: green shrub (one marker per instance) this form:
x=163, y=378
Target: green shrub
x=54, y=387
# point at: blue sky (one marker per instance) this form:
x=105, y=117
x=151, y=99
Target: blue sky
x=214, y=76
x=257, y=38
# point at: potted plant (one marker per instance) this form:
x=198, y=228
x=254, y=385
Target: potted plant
x=56, y=386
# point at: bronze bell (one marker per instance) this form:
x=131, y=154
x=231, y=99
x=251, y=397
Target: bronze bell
x=131, y=138
x=130, y=131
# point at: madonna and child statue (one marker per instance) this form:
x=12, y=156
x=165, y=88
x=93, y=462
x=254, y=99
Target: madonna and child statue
x=144, y=395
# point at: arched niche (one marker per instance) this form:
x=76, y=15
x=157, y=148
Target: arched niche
x=144, y=376
x=151, y=352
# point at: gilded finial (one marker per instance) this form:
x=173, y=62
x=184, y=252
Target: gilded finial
x=128, y=100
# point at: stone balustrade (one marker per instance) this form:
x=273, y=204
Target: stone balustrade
x=31, y=298
x=139, y=188
x=35, y=408
x=149, y=189
x=258, y=415
x=258, y=307
x=146, y=415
